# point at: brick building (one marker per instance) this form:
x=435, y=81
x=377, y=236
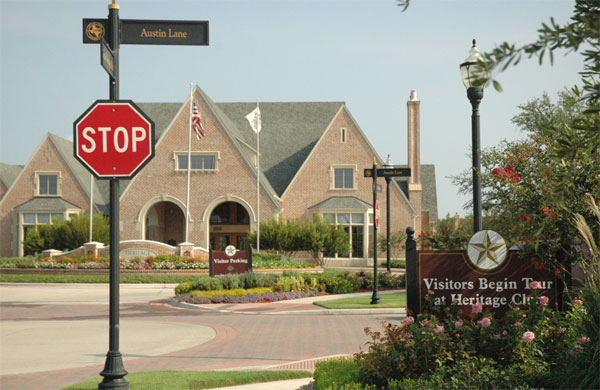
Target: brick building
x=312, y=158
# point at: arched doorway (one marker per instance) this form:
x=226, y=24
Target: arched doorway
x=229, y=225
x=165, y=222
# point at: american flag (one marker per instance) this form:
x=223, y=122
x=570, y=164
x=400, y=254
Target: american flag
x=197, y=121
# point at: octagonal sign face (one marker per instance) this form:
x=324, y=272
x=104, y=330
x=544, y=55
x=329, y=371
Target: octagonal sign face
x=113, y=139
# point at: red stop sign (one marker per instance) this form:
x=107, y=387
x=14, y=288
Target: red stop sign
x=113, y=139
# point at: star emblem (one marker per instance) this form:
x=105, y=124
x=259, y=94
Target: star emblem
x=487, y=249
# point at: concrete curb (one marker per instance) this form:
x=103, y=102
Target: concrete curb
x=399, y=311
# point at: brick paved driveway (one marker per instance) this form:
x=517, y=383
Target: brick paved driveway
x=239, y=340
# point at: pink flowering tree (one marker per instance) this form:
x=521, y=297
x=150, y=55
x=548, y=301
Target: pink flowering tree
x=532, y=187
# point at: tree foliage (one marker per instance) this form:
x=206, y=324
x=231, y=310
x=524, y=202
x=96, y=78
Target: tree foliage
x=314, y=235
x=581, y=34
x=69, y=234
x=532, y=187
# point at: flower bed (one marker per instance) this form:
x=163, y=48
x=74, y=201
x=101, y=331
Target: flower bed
x=444, y=348
x=161, y=262
x=288, y=285
x=269, y=296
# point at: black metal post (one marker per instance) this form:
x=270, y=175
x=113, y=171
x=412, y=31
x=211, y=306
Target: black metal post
x=412, y=290
x=375, y=298
x=475, y=94
x=387, y=211
x=114, y=371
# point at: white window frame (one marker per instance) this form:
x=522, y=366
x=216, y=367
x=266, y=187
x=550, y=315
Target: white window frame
x=350, y=223
x=344, y=166
x=216, y=155
x=47, y=173
x=23, y=224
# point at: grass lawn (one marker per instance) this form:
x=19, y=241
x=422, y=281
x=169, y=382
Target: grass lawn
x=393, y=300
x=193, y=380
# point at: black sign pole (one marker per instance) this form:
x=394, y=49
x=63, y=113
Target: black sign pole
x=387, y=211
x=375, y=298
x=114, y=371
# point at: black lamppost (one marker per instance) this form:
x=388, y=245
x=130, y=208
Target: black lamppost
x=473, y=78
x=388, y=179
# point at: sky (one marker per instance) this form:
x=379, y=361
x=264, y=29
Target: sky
x=366, y=53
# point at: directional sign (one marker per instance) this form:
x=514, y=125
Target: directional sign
x=107, y=59
x=149, y=32
x=388, y=172
x=113, y=139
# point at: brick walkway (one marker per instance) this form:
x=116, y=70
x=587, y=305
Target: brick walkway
x=242, y=341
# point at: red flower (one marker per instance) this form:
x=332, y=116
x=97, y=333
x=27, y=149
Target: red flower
x=422, y=234
x=428, y=234
x=516, y=178
x=532, y=239
x=445, y=231
x=552, y=215
x=532, y=260
x=496, y=171
x=539, y=265
x=546, y=210
x=556, y=271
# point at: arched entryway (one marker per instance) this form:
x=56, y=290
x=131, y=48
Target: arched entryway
x=165, y=222
x=229, y=225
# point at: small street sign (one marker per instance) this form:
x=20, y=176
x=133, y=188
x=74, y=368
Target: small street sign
x=107, y=59
x=377, y=214
x=164, y=32
x=149, y=32
x=388, y=172
x=113, y=139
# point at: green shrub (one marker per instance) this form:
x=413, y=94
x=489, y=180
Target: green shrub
x=287, y=283
x=25, y=262
x=230, y=281
x=252, y=280
x=183, y=288
x=69, y=234
x=331, y=374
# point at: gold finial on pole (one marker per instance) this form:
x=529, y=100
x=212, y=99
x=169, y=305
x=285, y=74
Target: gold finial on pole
x=113, y=5
x=374, y=160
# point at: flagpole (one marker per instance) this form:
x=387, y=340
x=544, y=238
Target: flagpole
x=257, y=187
x=91, y=203
x=189, y=166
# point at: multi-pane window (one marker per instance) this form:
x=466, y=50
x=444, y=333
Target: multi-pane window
x=353, y=225
x=343, y=178
x=200, y=162
x=48, y=184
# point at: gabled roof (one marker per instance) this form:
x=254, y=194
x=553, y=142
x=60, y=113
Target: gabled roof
x=162, y=114
x=429, y=194
x=9, y=173
x=289, y=133
x=82, y=175
x=42, y=203
x=342, y=203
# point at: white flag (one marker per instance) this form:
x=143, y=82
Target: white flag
x=254, y=119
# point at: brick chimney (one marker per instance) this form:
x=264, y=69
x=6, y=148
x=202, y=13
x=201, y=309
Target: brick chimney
x=415, y=187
